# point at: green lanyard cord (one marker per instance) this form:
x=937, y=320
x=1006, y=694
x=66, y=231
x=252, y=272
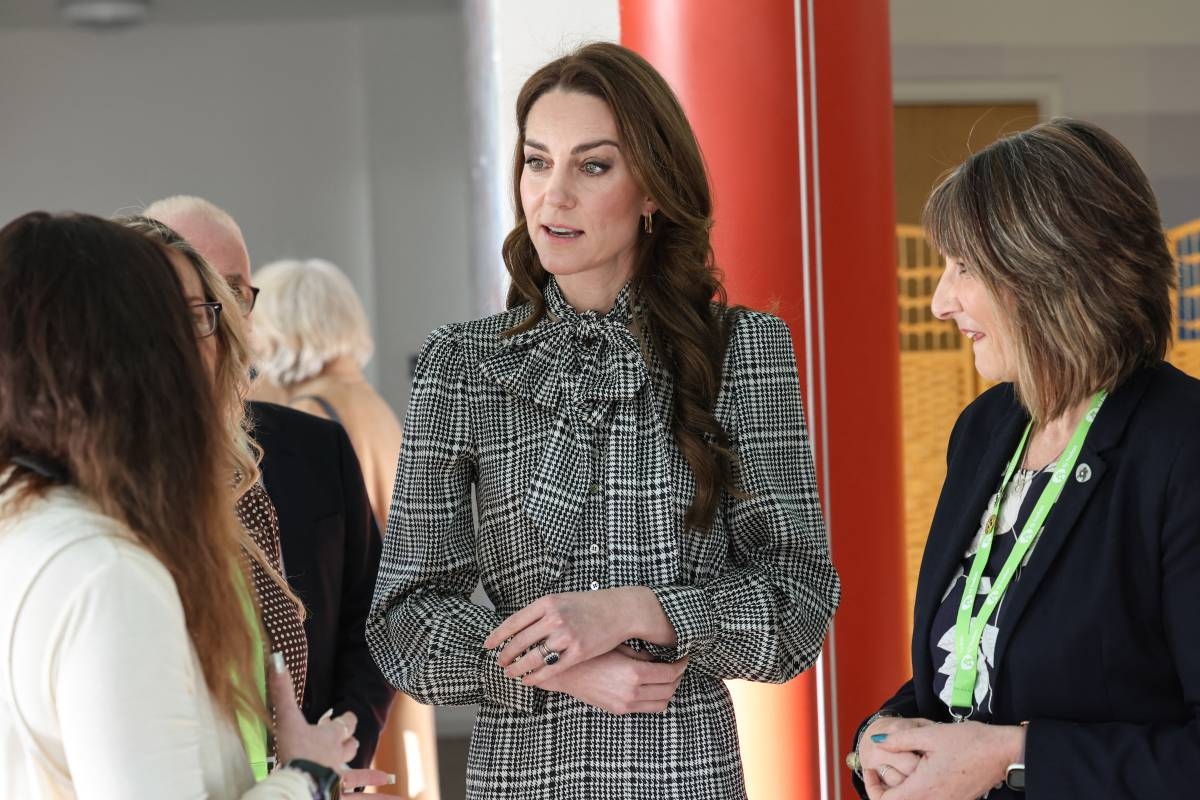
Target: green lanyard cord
x=968, y=629
x=252, y=730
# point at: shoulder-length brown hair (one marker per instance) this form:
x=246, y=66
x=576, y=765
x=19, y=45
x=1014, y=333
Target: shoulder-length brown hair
x=674, y=278
x=1060, y=224
x=103, y=379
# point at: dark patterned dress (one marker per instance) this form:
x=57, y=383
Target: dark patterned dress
x=562, y=436
x=281, y=619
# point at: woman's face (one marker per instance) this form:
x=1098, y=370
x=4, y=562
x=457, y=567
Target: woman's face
x=582, y=205
x=193, y=292
x=962, y=297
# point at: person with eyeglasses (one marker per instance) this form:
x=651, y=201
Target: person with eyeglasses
x=223, y=344
x=132, y=652
x=329, y=542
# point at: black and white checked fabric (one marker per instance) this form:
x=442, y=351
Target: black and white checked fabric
x=561, y=434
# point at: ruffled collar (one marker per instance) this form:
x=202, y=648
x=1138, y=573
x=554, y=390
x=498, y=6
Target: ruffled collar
x=581, y=368
x=593, y=356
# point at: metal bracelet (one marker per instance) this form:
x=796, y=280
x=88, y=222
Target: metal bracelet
x=852, y=758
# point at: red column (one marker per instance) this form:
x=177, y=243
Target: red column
x=794, y=117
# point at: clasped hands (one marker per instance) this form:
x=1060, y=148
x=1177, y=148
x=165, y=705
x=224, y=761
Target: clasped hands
x=916, y=759
x=587, y=631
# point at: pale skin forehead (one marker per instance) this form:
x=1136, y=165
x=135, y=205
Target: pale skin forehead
x=220, y=244
x=575, y=116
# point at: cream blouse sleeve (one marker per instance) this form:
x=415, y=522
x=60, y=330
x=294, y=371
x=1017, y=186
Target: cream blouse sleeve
x=120, y=681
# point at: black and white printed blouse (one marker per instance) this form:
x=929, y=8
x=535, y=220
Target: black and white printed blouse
x=1019, y=499
x=562, y=435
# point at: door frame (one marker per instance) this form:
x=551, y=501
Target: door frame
x=1046, y=93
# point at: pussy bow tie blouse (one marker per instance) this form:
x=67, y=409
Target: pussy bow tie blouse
x=579, y=368
x=562, y=435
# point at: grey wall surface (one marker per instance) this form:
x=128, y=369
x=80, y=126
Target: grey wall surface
x=343, y=139
x=1145, y=94
x=419, y=168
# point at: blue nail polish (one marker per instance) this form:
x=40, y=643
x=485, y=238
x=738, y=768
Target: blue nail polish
x=878, y=737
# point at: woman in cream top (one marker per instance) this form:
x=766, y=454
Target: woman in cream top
x=129, y=642
x=102, y=694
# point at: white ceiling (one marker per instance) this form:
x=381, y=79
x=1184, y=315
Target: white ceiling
x=44, y=13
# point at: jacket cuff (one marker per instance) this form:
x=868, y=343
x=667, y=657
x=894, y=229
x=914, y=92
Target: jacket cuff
x=502, y=690
x=690, y=612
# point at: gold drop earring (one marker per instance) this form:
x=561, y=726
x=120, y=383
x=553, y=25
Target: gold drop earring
x=648, y=222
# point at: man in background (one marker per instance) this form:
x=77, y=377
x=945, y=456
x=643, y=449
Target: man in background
x=328, y=535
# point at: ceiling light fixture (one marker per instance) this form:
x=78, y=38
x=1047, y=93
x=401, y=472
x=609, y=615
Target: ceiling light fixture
x=104, y=13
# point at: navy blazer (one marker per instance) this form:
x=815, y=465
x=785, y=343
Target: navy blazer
x=1099, y=639
x=331, y=548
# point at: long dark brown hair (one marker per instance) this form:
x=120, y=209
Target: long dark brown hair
x=677, y=286
x=1062, y=227
x=103, y=381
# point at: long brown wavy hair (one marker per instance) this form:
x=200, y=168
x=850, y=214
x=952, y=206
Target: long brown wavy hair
x=104, y=383
x=1060, y=224
x=677, y=285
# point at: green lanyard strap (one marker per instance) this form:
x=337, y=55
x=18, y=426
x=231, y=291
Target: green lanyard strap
x=968, y=630
x=252, y=730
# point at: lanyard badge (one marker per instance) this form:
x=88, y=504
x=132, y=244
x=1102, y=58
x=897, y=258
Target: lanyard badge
x=968, y=629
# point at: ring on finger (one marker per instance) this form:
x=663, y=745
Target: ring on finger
x=883, y=771
x=551, y=657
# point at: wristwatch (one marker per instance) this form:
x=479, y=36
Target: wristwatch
x=323, y=781
x=1014, y=777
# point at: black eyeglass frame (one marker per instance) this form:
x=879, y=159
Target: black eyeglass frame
x=238, y=288
x=216, y=317
x=254, y=290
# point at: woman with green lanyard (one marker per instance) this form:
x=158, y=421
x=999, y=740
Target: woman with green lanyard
x=1058, y=604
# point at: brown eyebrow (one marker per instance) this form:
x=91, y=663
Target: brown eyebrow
x=577, y=149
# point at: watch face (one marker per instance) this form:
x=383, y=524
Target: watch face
x=1015, y=777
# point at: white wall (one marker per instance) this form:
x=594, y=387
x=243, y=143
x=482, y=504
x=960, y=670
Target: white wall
x=418, y=163
x=343, y=139
x=1129, y=67
x=509, y=40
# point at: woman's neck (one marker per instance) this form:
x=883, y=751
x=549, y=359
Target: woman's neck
x=343, y=369
x=1049, y=439
x=592, y=292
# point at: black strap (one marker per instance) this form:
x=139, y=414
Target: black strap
x=48, y=469
x=325, y=405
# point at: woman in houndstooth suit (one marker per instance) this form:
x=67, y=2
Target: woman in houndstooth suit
x=647, y=521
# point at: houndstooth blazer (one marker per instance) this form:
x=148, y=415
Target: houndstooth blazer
x=561, y=432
